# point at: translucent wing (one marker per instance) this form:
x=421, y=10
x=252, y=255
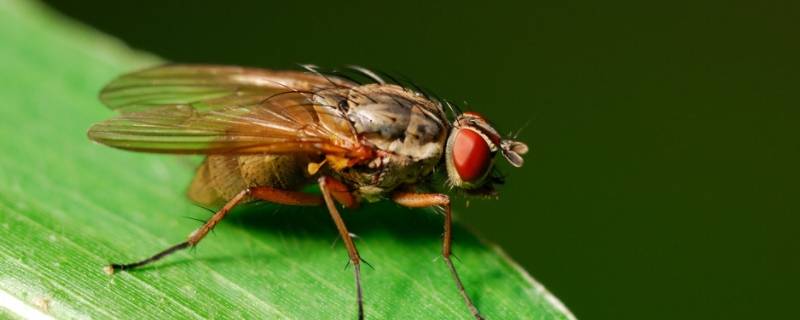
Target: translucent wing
x=223, y=110
x=206, y=86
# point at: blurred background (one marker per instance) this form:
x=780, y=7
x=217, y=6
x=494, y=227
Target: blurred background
x=663, y=177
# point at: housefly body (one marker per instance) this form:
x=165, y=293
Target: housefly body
x=266, y=134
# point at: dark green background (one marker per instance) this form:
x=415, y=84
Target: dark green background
x=663, y=177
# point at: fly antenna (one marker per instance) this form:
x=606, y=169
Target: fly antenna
x=516, y=134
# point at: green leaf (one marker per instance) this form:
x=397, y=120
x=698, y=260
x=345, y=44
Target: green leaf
x=68, y=207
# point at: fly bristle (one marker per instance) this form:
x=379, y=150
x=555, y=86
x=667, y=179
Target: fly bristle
x=367, y=73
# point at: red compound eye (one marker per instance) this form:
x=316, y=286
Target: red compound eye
x=471, y=155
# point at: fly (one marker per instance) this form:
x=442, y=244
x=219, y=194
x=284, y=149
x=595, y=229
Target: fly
x=267, y=134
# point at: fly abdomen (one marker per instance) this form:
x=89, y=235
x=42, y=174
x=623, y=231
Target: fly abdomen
x=221, y=177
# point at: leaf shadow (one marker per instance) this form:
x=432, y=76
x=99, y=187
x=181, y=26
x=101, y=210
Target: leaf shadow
x=412, y=226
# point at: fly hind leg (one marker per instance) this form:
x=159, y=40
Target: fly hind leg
x=262, y=193
x=424, y=200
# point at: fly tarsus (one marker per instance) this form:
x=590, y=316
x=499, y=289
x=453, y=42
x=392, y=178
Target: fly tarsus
x=114, y=267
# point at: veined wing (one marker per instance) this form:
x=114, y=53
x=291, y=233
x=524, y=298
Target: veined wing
x=286, y=124
x=162, y=111
x=206, y=86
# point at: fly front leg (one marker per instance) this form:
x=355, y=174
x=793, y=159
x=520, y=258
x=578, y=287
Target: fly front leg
x=263, y=193
x=424, y=200
x=333, y=189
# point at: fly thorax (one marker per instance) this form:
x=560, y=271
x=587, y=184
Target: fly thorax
x=397, y=120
